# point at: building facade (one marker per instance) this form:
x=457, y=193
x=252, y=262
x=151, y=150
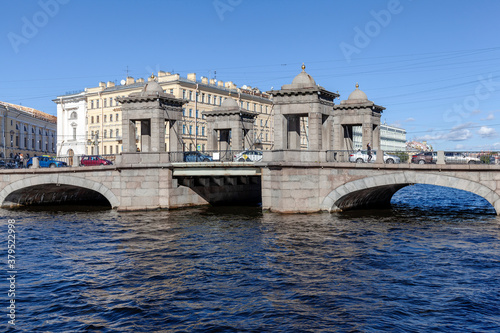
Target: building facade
x=103, y=112
x=71, y=124
x=391, y=138
x=27, y=131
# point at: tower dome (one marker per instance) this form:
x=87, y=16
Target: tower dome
x=357, y=95
x=303, y=80
x=229, y=103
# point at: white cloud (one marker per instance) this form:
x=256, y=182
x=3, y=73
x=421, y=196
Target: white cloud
x=453, y=135
x=487, y=132
x=491, y=116
x=409, y=120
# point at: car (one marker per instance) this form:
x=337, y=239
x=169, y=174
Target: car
x=90, y=160
x=248, y=156
x=46, y=161
x=196, y=156
x=425, y=157
x=361, y=156
x=460, y=158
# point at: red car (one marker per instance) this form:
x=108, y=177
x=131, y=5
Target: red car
x=94, y=160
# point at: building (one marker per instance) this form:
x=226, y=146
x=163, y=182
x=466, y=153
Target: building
x=71, y=124
x=391, y=138
x=103, y=112
x=27, y=131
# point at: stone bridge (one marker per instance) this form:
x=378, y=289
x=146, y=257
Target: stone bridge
x=312, y=187
x=286, y=187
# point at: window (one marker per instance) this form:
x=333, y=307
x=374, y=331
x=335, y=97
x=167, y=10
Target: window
x=110, y=133
x=92, y=135
x=190, y=95
x=111, y=101
x=97, y=119
x=92, y=104
x=116, y=118
x=190, y=112
x=74, y=133
x=183, y=93
x=73, y=115
x=183, y=129
x=97, y=103
x=248, y=106
x=105, y=118
x=209, y=98
x=116, y=102
x=197, y=130
x=92, y=119
x=196, y=113
x=254, y=107
x=190, y=129
x=117, y=135
x=183, y=112
x=111, y=149
x=172, y=91
x=105, y=134
x=111, y=118
x=203, y=97
x=105, y=150
x=105, y=103
x=203, y=131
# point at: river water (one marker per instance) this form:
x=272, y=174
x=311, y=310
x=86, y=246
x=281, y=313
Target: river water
x=429, y=264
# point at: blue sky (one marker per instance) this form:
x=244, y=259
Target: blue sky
x=434, y=65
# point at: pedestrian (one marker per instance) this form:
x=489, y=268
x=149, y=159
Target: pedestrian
x=16, y=160
x=21, y=160
x=369, y=152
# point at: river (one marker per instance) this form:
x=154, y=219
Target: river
x=429, y=264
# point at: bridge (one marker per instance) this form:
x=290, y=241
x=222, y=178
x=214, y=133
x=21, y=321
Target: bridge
x=147, y=181
x=293, y=178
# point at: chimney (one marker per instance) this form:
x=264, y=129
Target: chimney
x=220, y=84
x=110, y=84
x=204, y=80
x=192, y=77
x=212, y=82
x=130, y=80
x=102, y=84
x=141, y=80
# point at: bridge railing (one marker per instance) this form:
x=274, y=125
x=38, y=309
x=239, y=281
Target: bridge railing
x=247, y=155
x=362, y=156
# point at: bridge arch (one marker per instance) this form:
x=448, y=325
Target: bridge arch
x=378, y=190
x=13, y=192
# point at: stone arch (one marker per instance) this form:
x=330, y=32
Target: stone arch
x=59, y=180
x=380, y=189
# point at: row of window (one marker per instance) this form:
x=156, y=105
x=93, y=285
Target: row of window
x=105, y=118
x=94, y=104
x=32, y=142
x=105, y=132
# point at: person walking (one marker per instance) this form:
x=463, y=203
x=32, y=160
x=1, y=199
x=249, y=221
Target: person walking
x=21, y=160
x=369, y=152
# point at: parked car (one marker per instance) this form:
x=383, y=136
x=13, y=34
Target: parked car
x=248, y=156
x=361, y=156
x=46, y=161
x=460, y=158
x=196, y=156
x=94, y=160
x=426, y=157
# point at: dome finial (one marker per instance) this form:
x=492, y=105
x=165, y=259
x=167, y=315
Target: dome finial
x=303, y=67
x=153, y=77
x=357, y=85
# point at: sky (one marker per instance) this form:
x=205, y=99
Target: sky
x=434, y=65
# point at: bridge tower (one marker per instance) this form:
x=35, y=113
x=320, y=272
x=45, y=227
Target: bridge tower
x=152, y=108
x=357, y=110
x=303, y=98
x=229, y=127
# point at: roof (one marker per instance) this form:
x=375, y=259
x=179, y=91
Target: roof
x=31, y=112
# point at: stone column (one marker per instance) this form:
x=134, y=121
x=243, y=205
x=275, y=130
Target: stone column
x=128, y=136
x=327, y=133
x=248, y=138
x=367, y=135
x=237, y=138
x=175, y=129
x=315, y=130
x=280, y=132
x=158, y=141
x=376, y=137
x=211, y=136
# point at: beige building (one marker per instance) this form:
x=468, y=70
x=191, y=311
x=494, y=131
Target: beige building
x=103, y=135
x=27, y=131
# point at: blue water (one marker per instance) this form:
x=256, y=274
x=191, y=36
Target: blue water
x=429, y=264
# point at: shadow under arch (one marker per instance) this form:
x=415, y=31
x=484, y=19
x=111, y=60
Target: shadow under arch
x=377, y=191
x=55, y=189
